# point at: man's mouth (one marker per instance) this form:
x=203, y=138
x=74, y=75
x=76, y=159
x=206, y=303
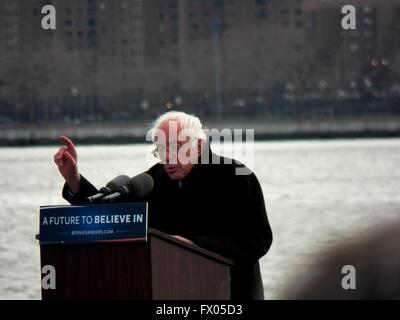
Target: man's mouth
x=171, y=169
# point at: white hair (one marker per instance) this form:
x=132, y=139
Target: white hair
x=187, y=122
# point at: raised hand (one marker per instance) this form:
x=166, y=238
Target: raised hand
x=66, y=160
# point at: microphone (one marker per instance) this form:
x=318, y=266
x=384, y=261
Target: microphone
x=110, y=187
x=137, y=186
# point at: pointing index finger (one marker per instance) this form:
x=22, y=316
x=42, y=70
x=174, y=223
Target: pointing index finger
x=70, y=145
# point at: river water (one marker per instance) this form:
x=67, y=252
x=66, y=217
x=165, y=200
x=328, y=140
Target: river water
x=317, y=193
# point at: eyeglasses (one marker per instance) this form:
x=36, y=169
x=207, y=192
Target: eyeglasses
x=160, y=151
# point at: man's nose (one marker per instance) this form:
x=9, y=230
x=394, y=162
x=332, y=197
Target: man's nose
x=171, y=156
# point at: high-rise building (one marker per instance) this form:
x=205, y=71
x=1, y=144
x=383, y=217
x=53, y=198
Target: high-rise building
x=9, y=50
x=120, y=58
x=9, y=29
x=353, y=55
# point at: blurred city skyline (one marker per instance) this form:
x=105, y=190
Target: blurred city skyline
x=128, y=59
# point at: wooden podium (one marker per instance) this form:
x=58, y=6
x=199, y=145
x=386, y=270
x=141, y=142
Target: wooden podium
x=161, y=268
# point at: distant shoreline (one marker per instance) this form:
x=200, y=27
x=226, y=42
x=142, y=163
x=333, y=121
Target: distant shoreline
x=268, y=129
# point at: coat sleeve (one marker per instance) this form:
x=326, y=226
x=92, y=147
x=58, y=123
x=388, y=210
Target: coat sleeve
x=253, y=237
x=86, y=189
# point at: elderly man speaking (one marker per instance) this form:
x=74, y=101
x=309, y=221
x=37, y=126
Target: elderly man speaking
x=198, y=197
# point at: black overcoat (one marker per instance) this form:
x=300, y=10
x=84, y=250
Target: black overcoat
x=216, y=209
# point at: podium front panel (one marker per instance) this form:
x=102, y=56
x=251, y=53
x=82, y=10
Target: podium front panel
x=99, y=271
x=179, y=274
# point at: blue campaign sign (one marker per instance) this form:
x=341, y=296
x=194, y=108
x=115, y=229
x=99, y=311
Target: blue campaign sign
x=93, y=223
